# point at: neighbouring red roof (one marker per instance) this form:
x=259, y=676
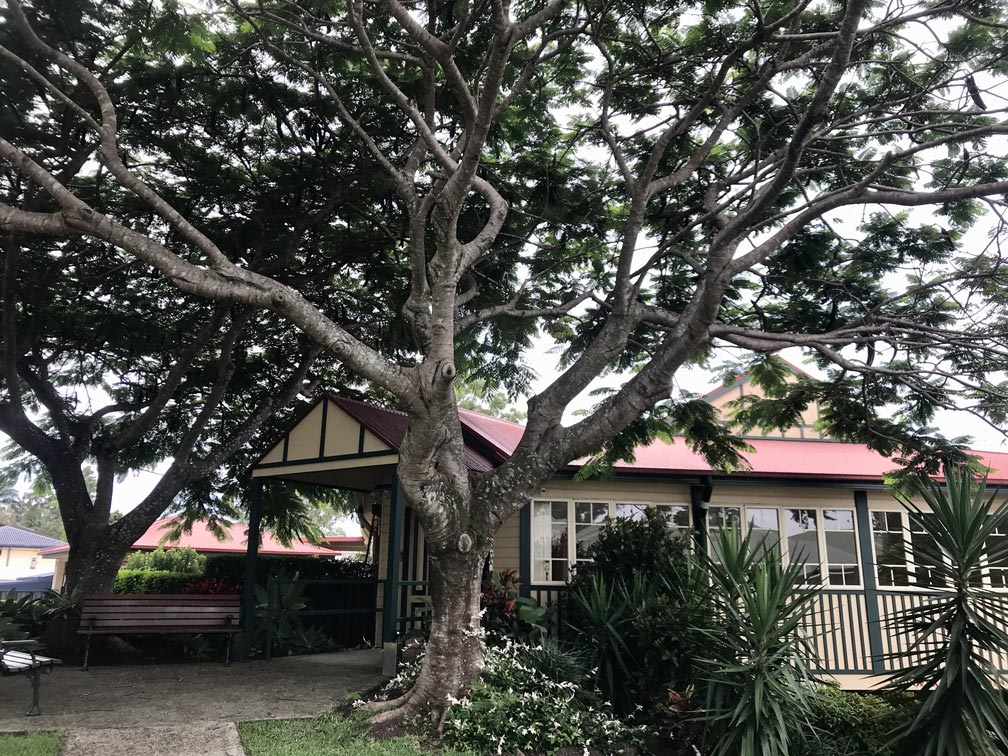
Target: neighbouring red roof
x=201, y=539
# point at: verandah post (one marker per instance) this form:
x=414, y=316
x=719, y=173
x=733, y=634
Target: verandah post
x=251, y=554
x=390, y=603
x=870, y=585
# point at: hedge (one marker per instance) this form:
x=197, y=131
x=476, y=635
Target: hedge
x=153, y=581
x=231, y=567
x=186, y=560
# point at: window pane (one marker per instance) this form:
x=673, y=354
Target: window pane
x=926, y=557
x=549, y=548
x=763, y=528
x=803, y=542
x=630, y=511
x=841, y=547
x=727, y=518
x=679, y=516
x=838, y=519
x=890, y=555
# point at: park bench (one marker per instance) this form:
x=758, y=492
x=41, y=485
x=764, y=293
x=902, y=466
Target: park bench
x=19, y=658
x=149, y=614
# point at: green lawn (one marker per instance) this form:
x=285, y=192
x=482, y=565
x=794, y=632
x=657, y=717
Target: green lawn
x=328, y=735
x=30, y=743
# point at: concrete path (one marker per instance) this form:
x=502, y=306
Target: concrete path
x=182, y=709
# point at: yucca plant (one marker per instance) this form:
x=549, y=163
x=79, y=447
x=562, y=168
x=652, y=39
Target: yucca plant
x=758, y=679
x=952, y=637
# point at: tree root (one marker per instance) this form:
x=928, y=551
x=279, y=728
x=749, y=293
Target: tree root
x=394, y=708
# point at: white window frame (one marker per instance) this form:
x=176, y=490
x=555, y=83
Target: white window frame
x=572, y=558
x=820, y=534
x=985, y=581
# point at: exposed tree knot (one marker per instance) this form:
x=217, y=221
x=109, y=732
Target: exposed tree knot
x=279, y=300
x=448, y=370
x=87, y=212
x=465, y=543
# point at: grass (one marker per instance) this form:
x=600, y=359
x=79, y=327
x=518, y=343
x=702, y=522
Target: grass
x=30, y=743
x=328, y=735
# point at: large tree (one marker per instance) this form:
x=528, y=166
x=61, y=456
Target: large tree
x=652, y=181
x=104, y=364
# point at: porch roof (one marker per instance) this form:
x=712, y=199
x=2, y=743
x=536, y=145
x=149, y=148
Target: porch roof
x=354, y=444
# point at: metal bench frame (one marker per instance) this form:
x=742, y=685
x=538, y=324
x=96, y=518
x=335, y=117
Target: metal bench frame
x=155, y=624
x=32, y=668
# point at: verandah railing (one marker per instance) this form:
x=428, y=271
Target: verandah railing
x=855, y=631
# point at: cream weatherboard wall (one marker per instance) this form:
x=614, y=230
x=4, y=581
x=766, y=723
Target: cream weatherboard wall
x=18, y=562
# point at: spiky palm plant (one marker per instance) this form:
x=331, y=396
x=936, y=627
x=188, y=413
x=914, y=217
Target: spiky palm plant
x=759, y=679
x=951, y=639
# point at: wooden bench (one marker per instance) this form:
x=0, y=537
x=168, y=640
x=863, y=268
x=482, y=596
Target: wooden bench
x=19, y=658
x=149, y=614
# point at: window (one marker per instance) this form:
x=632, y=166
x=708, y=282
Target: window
x=589, y=517
x=722, y=518
x=890, y=550
x=803, y=543
x=841, y=547
x=925, y=557
x=997, y=565
x=550, y=550
x=563, y=531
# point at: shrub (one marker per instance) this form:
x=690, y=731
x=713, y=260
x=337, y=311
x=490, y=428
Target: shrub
x=851, y=724
x=950, y=638
x=506, y=614
x=640, y=611
x=524, y=702
x=152, y=581
x=758, y=680
x=168, y=560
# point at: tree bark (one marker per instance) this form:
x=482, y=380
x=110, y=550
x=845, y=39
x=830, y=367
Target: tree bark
x=93, y=570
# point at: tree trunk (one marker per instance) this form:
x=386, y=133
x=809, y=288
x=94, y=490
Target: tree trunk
x=93, y=570
x=454, y=654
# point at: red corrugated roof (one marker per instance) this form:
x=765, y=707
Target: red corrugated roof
x=203, y=540
x=771, y=458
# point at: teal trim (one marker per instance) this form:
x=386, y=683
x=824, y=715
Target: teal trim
x=325, y=420
x=251, y=554
x=333, y=458
x=525, y=549
x=870, y=584
x=394, y=557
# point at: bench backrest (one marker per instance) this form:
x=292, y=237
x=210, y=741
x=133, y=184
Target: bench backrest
x=123, y=613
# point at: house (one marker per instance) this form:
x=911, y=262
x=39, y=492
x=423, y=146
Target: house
x=20, y=552
x=824, y=499
x=203, y=540
x=22, y=565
